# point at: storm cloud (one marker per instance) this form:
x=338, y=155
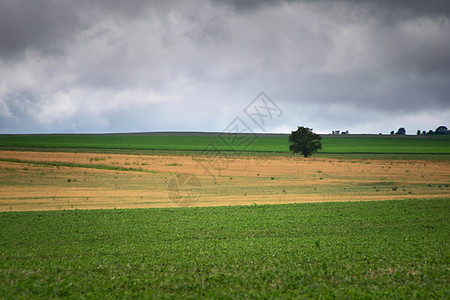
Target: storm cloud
x=121, y=66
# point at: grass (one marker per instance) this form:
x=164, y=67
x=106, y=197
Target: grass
x=388, y=249
x=412, y=145
x=75, y=165
x=388, y=144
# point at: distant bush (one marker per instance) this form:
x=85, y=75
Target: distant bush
x=441, y=130
x=401, y=131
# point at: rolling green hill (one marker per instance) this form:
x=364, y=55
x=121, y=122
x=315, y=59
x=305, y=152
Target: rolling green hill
x=260, y=143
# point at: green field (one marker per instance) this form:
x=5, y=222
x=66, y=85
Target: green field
x=279, y=144
x=382, y=249
x=388, y=249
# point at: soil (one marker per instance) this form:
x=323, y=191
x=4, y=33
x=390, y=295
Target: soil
x=172, y=181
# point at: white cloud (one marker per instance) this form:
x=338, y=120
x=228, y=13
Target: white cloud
x=195, y=66
x=58, y=108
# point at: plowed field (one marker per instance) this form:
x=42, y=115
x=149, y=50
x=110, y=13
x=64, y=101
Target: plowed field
x=52, y=180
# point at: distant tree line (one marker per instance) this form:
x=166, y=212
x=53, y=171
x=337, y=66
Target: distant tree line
x=334, y=132
x=439, y=130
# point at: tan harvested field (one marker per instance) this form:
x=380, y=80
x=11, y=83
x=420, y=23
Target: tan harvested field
x=86, y=181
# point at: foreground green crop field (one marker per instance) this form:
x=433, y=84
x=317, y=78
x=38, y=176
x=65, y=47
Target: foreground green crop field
x=331, y=144
x=390, y=249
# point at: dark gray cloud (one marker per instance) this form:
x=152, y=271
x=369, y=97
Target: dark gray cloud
x=405, y=8
x=43, y=26
x=412, y=8
x=68, y=66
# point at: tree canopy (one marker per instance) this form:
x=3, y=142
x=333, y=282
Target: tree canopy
x=304, y=141
x=401, y=131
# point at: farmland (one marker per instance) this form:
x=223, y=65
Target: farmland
x=245, y=143
x=388, y=249
x=158, y=216
x=63, y=180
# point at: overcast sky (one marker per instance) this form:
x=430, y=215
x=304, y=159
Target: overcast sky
x=136, y=65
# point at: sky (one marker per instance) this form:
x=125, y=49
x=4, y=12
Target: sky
x=94, y=66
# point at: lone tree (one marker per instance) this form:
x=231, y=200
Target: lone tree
x=304, y=141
